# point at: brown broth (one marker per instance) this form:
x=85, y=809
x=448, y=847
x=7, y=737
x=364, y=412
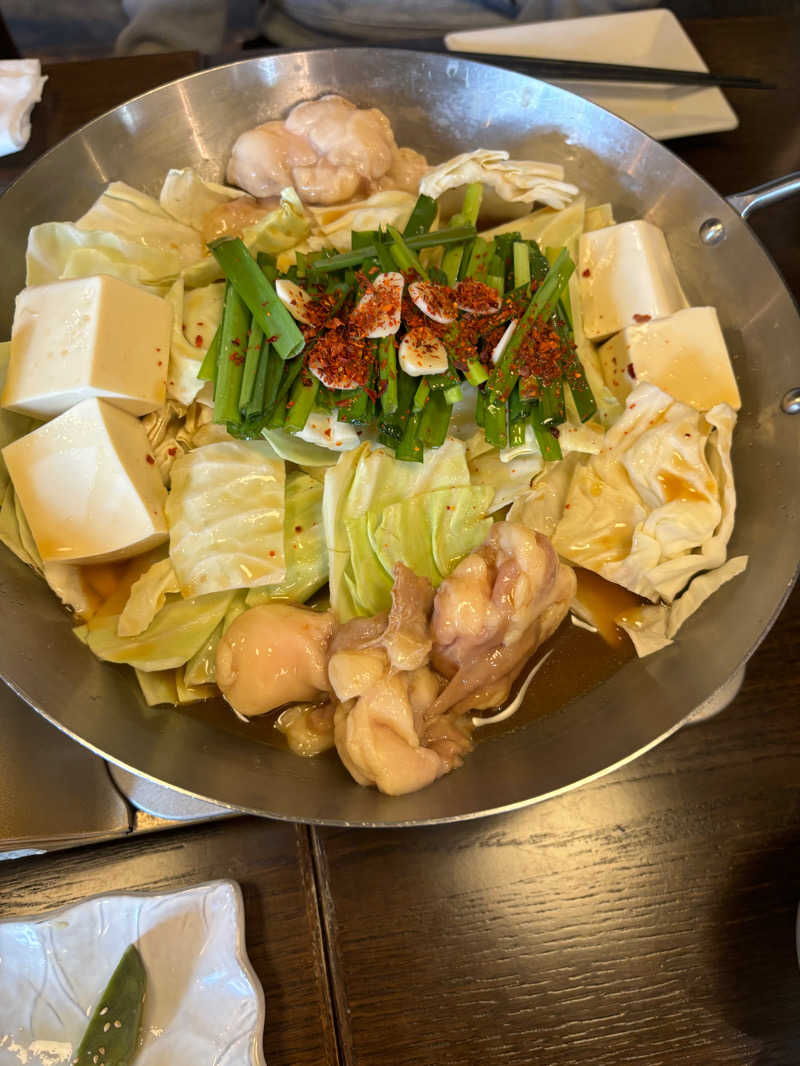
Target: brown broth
x=580, y=661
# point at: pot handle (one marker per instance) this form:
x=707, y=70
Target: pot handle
x=753, y=199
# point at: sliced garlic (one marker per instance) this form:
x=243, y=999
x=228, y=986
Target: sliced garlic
x=502, y=344
x=381, y=306
x=421, y=293
x=295, y=299
x=421, y=352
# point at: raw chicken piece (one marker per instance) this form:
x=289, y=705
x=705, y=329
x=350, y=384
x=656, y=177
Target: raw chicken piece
x=349, y=137
x=308, y=728
x=405, y=172
x=263, y=159
x=407, y=638
x=377, y=739
x=491, y=614
x=272, y=655
x=328, y=149
x=376, y=668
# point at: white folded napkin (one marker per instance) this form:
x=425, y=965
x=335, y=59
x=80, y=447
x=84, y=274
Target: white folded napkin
x=21, y=85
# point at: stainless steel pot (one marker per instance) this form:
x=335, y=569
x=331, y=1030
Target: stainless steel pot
x=439, y=105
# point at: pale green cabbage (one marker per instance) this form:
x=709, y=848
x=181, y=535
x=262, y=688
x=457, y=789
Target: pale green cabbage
x=147, y=596
x=188, y=198
x=276, y=232
x=189, y=308
x=135, y=216
x=431, y=533
x=225, y=513
x=304, y=544
x=60, y=250
x=179, y=629
x=370, y=479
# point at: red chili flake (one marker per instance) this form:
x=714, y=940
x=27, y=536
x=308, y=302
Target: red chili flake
x=201, y=323
x=271, y=340
x=631, y=371
x=150, y=459
x=298, y=529
x=378, y=307
x=198, y=341
x=327, y=432
x=541, y=358
x=567, y=506
x=172, y=451
x=586, y=273
x=440, y=299
x=272, y=554
x=236, y=341
x=642, y=318
x=160, y=363
x=477, y=298
x=340, y=359
x=158, y=349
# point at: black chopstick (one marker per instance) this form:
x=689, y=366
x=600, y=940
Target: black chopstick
x=575, y=69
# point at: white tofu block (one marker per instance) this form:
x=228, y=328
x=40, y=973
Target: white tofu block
x=626, y=276
x=684, y=354
x=88, y=485
x=93, y=336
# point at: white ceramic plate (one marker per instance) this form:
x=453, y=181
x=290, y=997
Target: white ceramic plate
x=652, y=38
x=204, y=1004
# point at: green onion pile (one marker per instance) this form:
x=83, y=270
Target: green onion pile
x=258, y=359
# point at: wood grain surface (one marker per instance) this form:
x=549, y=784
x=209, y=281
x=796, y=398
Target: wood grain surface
x=645, y=918
x=273, y=865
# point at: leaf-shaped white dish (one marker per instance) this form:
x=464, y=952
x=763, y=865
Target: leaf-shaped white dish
x=204, y=1003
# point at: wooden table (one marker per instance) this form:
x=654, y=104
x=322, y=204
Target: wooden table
x=648, y=917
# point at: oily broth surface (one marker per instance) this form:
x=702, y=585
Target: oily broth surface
x=580, y=661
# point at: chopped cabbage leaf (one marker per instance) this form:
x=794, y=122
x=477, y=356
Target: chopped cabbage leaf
x=656, y=625
x=507, y=480
x=303, y=544
x=201, y=669
x=371, y=479
x=171, y=639
x=598, y=217
x=65, y=579
x=188, y=198
x=609, y=407
x=135, y=216
x=196, y=315
x=294, y=449
x=390, y=207
x=511, y=471
x=158, y=687
x=431, y=533
x=60, y=250
x=541, y=508
x=9, y=527
x=187, y=693
x=225, y=513
x=656, y=505
x=175, y=428
x=147, y=596
x=548, y=227
x=515, y=180
x=281, y=229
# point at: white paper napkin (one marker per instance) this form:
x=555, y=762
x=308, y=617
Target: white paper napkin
x=21, y=85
